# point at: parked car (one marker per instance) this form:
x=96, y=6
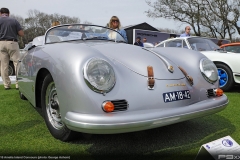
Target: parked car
x=231, y=47
x=227, y=64
x=86, y=82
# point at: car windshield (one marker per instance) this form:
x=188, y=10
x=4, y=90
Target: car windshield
x=27, y=46
x=84, y=32
x=202, y=44
x=234, y=49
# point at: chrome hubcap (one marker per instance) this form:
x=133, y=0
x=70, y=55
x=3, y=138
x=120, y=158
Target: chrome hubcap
x=52, y=107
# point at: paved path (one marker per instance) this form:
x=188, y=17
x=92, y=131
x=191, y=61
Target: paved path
x=12, y=78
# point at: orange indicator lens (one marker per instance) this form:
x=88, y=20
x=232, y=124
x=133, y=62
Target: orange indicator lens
x=218, y=92
x=108, y=106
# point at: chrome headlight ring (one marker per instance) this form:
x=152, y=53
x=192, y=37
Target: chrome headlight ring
x=99, y=75
x=208, y=70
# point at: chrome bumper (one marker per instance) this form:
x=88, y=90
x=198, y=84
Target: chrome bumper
x=129, y=121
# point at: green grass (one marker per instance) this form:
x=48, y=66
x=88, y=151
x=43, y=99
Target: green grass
x=23, y=132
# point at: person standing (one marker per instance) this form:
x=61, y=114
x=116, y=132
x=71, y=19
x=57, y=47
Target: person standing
x=138, y=42
x=9, y=48
x=219, y=43
x=115, y=24
x=187, y=32
x=55, y=23
x=55, y=32
x=144, y=40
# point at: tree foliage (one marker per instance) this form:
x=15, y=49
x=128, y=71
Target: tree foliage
x=214, y=18
x=37, y=23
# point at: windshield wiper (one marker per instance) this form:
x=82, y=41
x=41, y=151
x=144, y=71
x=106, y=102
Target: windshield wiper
x=121, y=41
x=103, y=38
x=220, y=50
x=95, y=37
x=114, y=40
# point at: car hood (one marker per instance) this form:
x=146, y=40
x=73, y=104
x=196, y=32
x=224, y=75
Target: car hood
x=137, y=59
x=210, y=52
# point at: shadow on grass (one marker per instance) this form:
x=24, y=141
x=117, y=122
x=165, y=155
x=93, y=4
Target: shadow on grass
x=7, y=129
x=235, y=89
x=161, y=142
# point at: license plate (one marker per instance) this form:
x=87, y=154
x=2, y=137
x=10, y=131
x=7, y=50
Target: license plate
x=176, y=96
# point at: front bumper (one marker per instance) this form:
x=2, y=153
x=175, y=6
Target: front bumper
x=129, y=121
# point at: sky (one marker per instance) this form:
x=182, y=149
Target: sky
x=99, y=12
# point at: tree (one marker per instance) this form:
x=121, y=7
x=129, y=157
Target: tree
x=37, y=23
x=87, y=22
x=22, y=23
x=214, y=18
x=167, y=30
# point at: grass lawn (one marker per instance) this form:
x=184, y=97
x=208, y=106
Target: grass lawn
x=23, y=133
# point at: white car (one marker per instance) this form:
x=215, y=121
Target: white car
x=227, y=63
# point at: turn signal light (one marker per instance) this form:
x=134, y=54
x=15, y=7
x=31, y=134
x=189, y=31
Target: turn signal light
x=108, y=106
x=218, y=92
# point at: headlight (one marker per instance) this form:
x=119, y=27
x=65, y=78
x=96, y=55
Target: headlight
x=99, y=75
x=209, y=70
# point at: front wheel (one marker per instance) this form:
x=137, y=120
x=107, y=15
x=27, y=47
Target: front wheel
x=51, y=111
x=226, y=77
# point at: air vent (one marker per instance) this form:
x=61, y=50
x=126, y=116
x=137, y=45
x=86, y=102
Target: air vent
x=115, y=105
x=210, y=93
x=120, y=105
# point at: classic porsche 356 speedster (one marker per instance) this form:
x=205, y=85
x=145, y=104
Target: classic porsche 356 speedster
x=86, y=79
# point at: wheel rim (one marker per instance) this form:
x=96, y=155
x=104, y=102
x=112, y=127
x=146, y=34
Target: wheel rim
x=223, y=77
x=10, y=70
x=54, y=115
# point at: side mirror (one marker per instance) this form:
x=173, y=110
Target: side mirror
x=148, y=45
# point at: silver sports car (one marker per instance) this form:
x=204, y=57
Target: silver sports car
x=85, y=78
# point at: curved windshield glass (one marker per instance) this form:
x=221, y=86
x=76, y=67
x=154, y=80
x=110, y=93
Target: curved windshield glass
x=81, y=32
x=233, y=49
x=27, y=46
x=202, y=44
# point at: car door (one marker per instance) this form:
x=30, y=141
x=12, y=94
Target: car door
x=26, y=74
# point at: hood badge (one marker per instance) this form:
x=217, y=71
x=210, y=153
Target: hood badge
x=171, y=69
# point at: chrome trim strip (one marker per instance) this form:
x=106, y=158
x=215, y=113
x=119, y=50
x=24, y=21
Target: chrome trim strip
x=167, y=64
